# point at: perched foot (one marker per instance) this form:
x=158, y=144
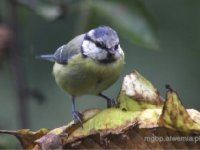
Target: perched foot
x=78, y=117
x=110, y=102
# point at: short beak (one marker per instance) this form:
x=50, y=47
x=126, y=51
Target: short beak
x=111, y=51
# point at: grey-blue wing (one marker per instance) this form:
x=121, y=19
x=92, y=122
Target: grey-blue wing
x=67, y=51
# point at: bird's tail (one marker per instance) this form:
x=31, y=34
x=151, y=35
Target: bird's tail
x=49, y=57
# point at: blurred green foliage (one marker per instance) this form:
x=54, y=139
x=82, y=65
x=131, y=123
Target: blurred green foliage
x=130, y=18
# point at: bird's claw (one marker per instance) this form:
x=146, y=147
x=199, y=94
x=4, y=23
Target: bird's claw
x=78, y=117
x=112, y=103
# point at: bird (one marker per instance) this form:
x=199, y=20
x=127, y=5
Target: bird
x=88, y=64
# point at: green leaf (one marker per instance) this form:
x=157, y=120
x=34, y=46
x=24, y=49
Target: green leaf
x=175, y=116
x=135, y=23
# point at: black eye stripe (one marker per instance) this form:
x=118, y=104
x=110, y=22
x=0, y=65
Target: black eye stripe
x=98, y=44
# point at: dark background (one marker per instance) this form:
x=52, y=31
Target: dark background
x=171, y=55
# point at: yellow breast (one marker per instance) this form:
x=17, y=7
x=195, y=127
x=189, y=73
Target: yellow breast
x=85, y=76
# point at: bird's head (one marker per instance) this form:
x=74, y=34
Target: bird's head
x=102, y=44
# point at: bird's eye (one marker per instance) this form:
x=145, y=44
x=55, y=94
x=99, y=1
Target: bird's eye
x=98, y=44
x=116, y=46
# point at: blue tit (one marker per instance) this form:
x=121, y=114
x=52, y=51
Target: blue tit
x=88, y=64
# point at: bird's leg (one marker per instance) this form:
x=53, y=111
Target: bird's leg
x=110, y=102
x=77, y=116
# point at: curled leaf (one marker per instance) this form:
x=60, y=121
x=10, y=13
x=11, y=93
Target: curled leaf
x=105, y=122
x=138, y=93
x=27, y=137
x=175, y=116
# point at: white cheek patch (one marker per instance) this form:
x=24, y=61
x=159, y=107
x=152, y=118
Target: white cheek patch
x=92, y=51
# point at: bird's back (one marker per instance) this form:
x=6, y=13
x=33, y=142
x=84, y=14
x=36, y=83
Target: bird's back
x=64, y=53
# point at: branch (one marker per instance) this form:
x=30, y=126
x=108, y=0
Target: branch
x=17, y=68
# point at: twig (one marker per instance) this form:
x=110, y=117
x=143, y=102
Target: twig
x=17, y=68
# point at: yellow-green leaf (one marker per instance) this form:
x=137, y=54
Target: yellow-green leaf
x=175, y=116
